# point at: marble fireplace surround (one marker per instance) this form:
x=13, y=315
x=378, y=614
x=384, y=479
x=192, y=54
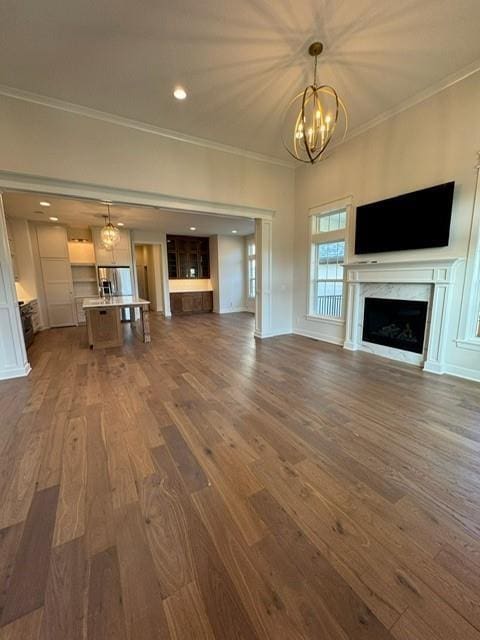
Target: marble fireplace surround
x=430, y=280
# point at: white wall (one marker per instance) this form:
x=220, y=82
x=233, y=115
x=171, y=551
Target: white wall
x=42, y=141
x=430, y=143
x=231, y=287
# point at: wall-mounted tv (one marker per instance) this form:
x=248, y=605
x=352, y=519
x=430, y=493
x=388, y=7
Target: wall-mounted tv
x=417, y=220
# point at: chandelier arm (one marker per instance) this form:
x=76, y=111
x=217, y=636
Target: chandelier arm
x=306, y=145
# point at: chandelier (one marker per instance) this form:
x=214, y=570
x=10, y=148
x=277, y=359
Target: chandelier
x=312, y=117
x=109, y=235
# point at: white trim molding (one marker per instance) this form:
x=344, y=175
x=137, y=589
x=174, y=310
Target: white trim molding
x=13, y=355
x=439, y=274
x=321, y=337
x=23, y=182
x=263, y=280
x=470, y=306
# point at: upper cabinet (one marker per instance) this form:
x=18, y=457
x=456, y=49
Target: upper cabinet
x=120, y=256
x=52, y=241
x=188, y=257
x=81, y=253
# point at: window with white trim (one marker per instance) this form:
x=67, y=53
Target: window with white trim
x=328, y=243
x=251, y=262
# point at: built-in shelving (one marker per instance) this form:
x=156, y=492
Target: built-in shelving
x=84, y=286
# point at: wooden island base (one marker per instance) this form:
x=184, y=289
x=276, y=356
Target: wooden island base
x=104, y=326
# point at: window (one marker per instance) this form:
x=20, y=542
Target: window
x=326, y=270
x=251, y=267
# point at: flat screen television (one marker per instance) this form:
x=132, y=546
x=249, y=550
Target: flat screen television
x=417, y=220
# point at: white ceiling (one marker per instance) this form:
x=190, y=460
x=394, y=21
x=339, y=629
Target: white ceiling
x=240, y=62
x=86, y=213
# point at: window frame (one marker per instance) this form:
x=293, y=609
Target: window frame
x=343, y=234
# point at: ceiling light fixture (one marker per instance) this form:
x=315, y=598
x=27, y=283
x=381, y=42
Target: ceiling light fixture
x=44, y=203
x=53, y=219
x=180, y=93
x=234, y=231
x=193, y=228
x=120, y=224
x=109, y=235
x=312, y=117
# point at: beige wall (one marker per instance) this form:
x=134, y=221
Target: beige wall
x=430, y=143
x=42, y=141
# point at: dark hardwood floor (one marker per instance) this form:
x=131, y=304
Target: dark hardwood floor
x=212, y=486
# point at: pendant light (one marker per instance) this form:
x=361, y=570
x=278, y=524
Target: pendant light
x=109, y=234
x=312, y=117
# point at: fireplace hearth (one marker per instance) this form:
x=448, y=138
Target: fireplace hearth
x=395, y=323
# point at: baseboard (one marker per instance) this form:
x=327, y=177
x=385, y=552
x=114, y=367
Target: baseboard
x=434, y=367
x=233, y=310
x=272, y=334
x=320, y=337
x=462, y=372
x=18, y=372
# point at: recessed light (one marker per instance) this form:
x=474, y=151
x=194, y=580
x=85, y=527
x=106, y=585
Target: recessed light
x=120, y=224
x=44, y=203
x=234, y=231
x=53, y=218
x=180, y=93
x=193, y=228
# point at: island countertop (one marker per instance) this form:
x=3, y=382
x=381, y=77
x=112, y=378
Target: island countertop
x=114, y=301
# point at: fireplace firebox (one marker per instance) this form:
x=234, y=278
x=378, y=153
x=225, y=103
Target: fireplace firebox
x=395, y=323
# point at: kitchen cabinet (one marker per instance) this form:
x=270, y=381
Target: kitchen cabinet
x=81, y=253
x=104, y=328
x=188, y=302
x=120, y=256
x=35, y=314
x=56, y=274
x=52, y=241
x=188, y=257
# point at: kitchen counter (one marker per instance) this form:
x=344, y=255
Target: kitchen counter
x=114, y=301
x=103, y=320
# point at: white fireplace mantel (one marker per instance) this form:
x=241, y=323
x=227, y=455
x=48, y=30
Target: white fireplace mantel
x=439, y=273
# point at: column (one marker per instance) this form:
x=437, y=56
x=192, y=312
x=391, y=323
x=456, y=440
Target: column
x=13, y=356
x=263, y=278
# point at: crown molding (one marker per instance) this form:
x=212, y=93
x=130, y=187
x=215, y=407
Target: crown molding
x=87, y=112
x=421, y=96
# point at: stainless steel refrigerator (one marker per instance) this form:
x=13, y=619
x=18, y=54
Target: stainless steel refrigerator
x=116, y=281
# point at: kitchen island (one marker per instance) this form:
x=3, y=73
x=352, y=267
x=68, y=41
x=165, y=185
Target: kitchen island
x=104, y=326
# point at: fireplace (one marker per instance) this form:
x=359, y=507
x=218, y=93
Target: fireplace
x=395, y=323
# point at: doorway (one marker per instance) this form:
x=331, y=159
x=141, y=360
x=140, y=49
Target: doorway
x=149, y=274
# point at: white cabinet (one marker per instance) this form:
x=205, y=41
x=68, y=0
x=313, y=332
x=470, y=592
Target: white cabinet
x=81, y=253
x=120, y=256
x=52, y=241
x=57, y=275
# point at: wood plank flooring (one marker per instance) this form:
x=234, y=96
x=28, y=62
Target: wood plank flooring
x=210, y=486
